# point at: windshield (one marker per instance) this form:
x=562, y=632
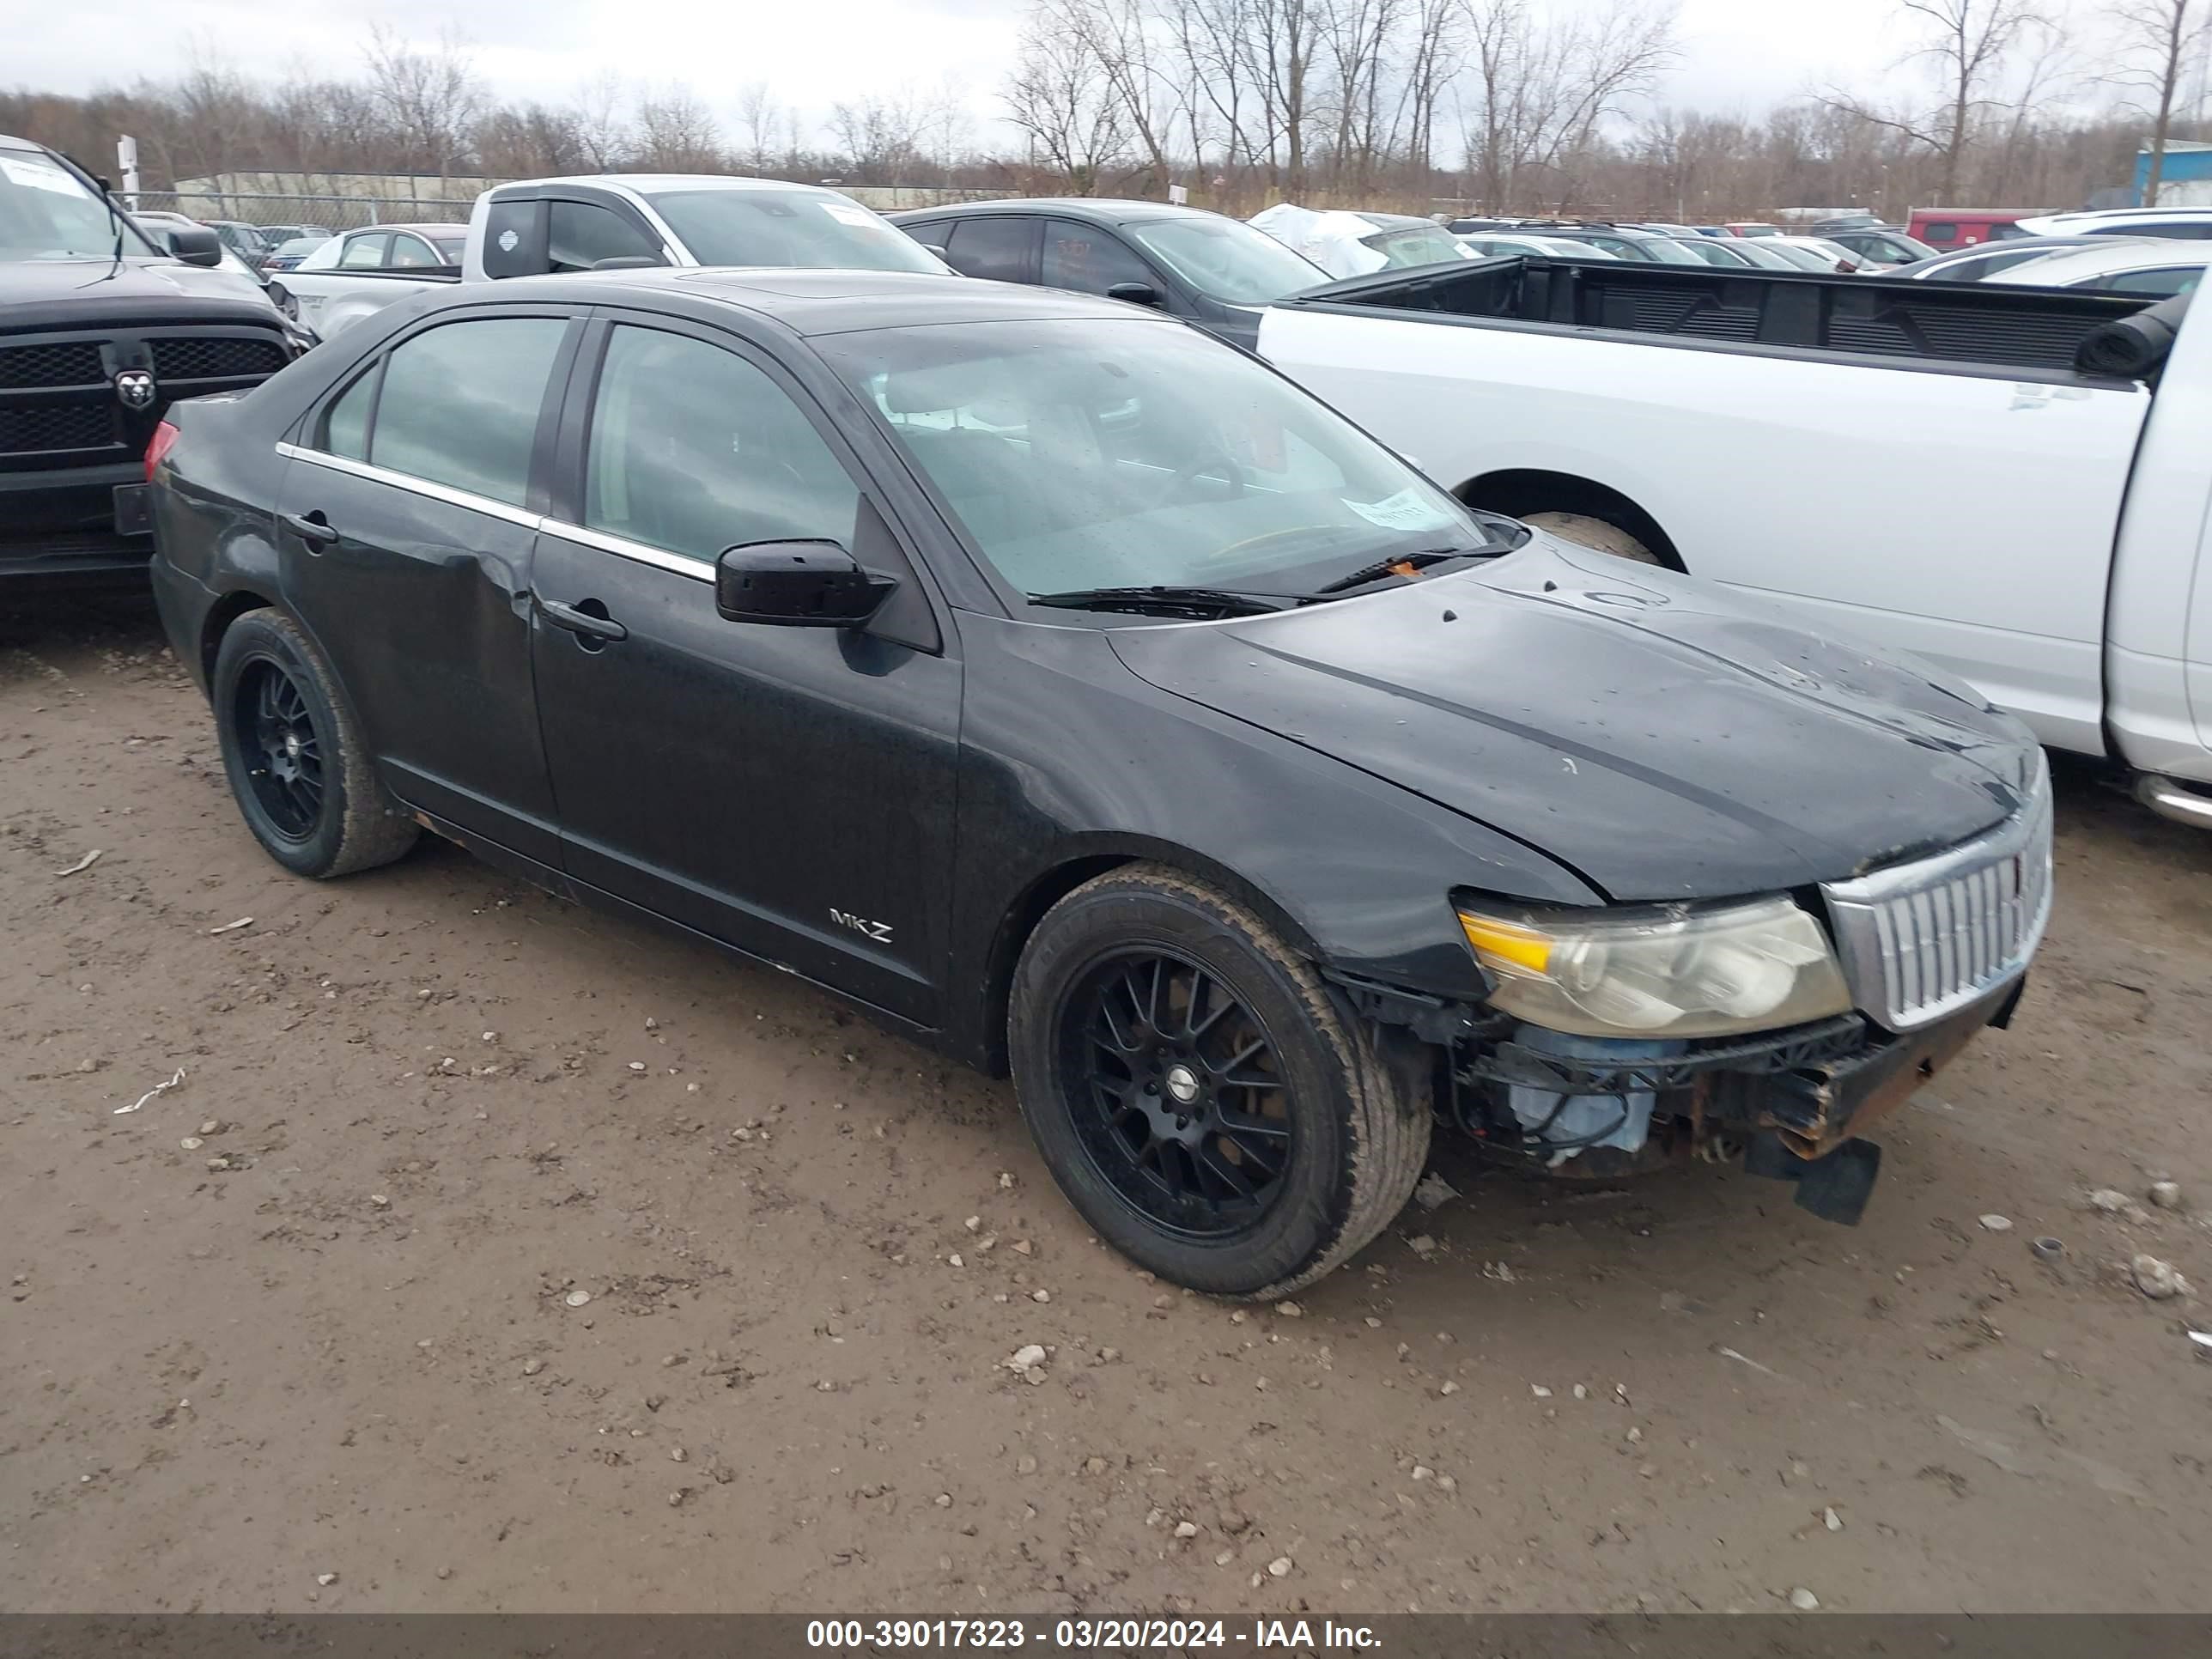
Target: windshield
x=1226, y=259
x=1091, y=453
x=802, y=228
x=1414, y=244
x=46, y=213
x=1804, y=257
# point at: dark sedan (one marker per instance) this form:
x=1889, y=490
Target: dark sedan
x=1216, y=272
x=1078, y=694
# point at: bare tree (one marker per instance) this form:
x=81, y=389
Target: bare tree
x=880, y=134
x=1055, y=96
x=1544, y=87
x=676, y=133
x=602, y=127
x=430, y=97
x=1970, y=43
x=2158, y=39
x=758, y=113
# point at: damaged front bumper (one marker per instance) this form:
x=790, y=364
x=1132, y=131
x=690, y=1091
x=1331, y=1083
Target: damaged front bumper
x=1788, y=1104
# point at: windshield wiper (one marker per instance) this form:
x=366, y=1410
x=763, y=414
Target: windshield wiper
x=1397, y=564
x=1160, y=599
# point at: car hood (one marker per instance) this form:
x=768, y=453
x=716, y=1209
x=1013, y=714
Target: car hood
x=56, y=293
x=1662, y=737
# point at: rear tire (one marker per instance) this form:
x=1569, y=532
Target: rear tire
x=292, y=752
x=1144, y=991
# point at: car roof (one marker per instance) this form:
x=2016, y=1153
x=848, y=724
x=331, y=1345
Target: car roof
x=1095, y=211
x=2061, y=269
x=813, y=303
x=421, y=227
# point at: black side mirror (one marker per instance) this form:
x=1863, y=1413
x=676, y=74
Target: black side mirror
x=196, y=244
x=797, y=585
x=1136, y=294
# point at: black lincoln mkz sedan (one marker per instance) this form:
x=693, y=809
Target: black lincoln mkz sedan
x=1080, y=695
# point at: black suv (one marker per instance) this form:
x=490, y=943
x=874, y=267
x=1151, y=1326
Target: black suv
x=100, y=329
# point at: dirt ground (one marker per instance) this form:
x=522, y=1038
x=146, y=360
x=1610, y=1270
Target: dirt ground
x=332, y=1334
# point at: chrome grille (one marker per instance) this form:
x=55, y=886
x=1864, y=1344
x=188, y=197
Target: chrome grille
x=1924, y=940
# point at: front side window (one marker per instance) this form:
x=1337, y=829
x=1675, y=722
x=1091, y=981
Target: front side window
x=1103, y=453
x=1226, y=259
x=579, y=234
x=814, y=229
x=1088, y=259
x=364, y=252
x=460, y=404
x=693, y=449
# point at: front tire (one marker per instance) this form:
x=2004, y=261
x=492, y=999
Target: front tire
x=1203, y=1099
x=1599, y=535
x=292, y=752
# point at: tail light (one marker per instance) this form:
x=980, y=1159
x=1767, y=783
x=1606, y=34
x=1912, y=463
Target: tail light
x=158, y=446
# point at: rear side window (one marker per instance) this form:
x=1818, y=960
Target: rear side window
x=460, y=404
x=1088, y=259
x=345, y=426
x=411, y=253
x=581, y=233
x=1940, y=233
x=364, y=253
x=995, y=249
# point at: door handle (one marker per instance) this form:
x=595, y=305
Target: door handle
x=577, y=620
x=310, y=527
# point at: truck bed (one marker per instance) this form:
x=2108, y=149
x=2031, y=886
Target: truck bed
x=1970, y=325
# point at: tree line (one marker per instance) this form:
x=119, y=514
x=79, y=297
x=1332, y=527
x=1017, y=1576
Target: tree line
x=1505, y=106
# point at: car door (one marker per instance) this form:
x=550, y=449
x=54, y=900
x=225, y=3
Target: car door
x=407, y=516
x=788, y=791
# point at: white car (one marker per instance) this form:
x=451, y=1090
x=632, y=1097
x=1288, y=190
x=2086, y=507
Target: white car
x=362, y=271
x=2159, y=268
x=1548, y=247
x=2180, y=223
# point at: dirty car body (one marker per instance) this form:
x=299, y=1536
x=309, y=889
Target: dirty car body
x=1016, y=768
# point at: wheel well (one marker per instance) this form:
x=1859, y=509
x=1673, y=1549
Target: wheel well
x=226, y=610
x=1525, y=490
x=1057, y=884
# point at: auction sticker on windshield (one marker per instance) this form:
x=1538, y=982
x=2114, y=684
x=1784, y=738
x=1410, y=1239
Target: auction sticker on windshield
x=1406, y=510
x=39, y=174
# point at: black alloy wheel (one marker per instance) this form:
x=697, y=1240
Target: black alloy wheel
x=1179, y=1099
x=276, y=731
x=1211, y=1106
x=293, y=753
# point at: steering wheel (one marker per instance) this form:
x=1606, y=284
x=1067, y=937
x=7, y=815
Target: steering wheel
x=1188, y=473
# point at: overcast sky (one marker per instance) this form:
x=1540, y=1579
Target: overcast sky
x=1737, y=54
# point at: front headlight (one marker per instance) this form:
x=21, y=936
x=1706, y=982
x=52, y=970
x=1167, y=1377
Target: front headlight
x=1659, y=970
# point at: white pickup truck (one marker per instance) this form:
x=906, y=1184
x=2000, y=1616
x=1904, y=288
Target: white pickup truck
x=597, y=224
x=2015, y=483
